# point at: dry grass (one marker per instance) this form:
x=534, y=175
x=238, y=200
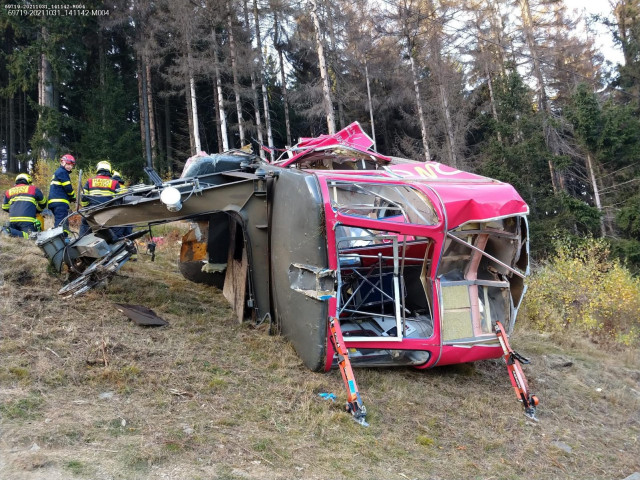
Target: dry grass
x=85, y=393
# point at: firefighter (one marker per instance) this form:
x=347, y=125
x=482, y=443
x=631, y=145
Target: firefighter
x=62, y=193
x=116, y=176
x=127, y=229
x=98, y=189
x=23, y=201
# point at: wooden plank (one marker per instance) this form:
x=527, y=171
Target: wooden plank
x=235, y=281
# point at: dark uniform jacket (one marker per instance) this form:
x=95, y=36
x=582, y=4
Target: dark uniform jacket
x=99, y=189
x=23, y=202
x=61, y=190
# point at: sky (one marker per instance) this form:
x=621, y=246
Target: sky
x=604, y=39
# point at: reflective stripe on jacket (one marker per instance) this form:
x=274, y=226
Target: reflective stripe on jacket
x=99, y=189
x=60, y=189
x=23, y=202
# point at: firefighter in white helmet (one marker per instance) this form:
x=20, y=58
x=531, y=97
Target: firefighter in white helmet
x=98, y=189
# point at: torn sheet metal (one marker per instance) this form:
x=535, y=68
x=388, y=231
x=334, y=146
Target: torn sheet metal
x=314, y=282
x=140, y=315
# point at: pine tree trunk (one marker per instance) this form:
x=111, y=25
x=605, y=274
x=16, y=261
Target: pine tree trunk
x=152, y=118
x=261, y=77
x=223, y=115
x=596, y=191
x=453, y=162
x=283, y=80
x=194, y=112
x=220, y=96
x=285, y=99
x=326, y=91
x=485, y=58
x=497, y=31
x=161, y=166
x=416, y=87
x=22, y=124
x=236, y=80
x=192, y=141
x=101, y=76
x=12, y=160
x=334, y=70
x=147, y=127
x=373, y=125
x=195, y=126
x=167, y=134
x=527, y=23
x=143, y=114
x=254, y=90
x=543, y=102
x=216, y=109
x=47, y=97
x=257, y=115
x=492, y=101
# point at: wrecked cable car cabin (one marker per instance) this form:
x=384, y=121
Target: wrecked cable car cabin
x=415, y=263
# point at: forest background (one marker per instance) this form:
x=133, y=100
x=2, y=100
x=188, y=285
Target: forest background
x=512, y=89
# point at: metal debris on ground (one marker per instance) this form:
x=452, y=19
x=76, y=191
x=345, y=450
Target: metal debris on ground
x=141, y=316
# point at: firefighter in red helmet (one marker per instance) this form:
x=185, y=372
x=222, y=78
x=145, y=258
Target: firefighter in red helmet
x=23, y=201
x=61, y=192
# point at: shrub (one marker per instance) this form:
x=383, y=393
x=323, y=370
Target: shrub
x=581, y=288
x=43, y=171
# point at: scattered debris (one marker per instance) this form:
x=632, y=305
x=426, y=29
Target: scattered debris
x=141, y=316
x=328, y=396
x=559, y=361
x=188, y=430
x=180, y=393
x=562, y=446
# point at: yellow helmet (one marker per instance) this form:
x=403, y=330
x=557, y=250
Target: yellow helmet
x=24, y=178
x=103, y=165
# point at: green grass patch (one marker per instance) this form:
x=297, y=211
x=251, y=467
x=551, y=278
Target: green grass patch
x=76, y=467
x=23, y=408
x=425, y=441
x=217, y=383
x=19, y=373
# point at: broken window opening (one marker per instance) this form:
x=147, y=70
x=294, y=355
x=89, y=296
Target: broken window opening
x=387, y=202
x=381, y=292
x=476, y=273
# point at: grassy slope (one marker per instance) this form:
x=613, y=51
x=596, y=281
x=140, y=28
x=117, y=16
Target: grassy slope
x=85, y=393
